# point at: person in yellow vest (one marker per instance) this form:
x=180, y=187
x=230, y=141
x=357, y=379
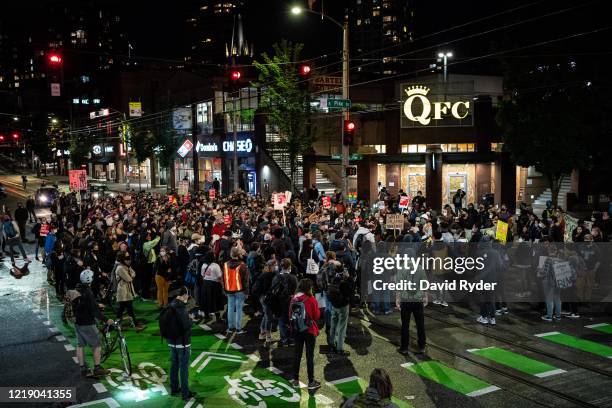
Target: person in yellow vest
x=236, y=286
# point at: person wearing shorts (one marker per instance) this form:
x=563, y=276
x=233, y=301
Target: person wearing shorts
x=86, y=312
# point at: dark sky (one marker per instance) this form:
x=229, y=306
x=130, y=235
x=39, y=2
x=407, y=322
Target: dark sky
x=157, y=27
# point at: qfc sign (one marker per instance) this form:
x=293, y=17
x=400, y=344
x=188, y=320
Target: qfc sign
x=437, y=106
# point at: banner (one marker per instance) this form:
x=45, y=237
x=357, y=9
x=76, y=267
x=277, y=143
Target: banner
x=211, y=193
x=44, y=229
x=403, y=202
x=352, y=197
x=326, y=202
x=77, y=179
x=501, y=233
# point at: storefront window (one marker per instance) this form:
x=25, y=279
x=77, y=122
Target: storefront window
x=414, y=148
x=497, y=147
x=379, y=148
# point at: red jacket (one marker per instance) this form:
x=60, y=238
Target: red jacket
x=218, y=229
x=312, y=310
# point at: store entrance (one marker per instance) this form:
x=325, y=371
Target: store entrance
x=416, y=183
x=455, y=182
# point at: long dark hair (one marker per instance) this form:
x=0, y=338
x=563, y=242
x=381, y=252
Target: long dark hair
x=380, y=380
x=305, y=286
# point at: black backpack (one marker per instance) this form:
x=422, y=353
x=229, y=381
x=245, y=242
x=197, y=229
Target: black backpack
x=169, y=325
x=278, y=294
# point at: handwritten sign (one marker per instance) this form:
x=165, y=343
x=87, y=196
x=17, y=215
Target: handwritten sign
x=77, y=179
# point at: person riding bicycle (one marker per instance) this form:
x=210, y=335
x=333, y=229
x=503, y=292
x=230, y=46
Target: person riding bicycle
x=86, y=311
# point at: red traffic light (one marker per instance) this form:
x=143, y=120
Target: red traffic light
x=349, y=132
x=1, y=138
x=235, y=75
x=55, y=58
x=15, y=136
x=305, y=70
x=349, y=126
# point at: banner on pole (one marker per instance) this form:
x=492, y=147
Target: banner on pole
x=77, y=179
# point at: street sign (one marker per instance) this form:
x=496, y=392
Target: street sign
x=55, y=89
x=354, y=156
x=338, y=103
x=135, y=109
x=185, y=148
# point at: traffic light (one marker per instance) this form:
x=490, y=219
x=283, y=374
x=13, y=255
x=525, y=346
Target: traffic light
x=55, y=59
x=15, y=136
x=350, y=171
x=349, y=132
x=235, y=75
x=1, y=138
x=305, y=71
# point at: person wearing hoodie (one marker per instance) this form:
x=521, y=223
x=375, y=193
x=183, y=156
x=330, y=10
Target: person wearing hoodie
x=168, y=238
x=378, y=393
x=284, y=283
x=324, y=278
x=339, y=293
x=305, y=302
x=236, y=285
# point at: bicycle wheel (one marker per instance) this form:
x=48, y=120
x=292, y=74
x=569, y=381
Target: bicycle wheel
x=125, y=356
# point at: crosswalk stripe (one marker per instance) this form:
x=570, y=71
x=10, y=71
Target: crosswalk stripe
x=99, y=387
x=601, y=327
x=517, y=361
x=577, y=343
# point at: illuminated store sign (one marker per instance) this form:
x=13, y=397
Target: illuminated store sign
x=437, y=104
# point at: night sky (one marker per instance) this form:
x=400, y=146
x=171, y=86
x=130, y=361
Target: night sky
x=157, y=30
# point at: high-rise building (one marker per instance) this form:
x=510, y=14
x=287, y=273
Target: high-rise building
x=379, y=30
x=216, y=33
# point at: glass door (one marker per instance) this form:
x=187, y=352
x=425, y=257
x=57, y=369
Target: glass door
x=456, y=181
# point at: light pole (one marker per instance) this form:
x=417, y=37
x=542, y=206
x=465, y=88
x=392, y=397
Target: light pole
x=296, y=10
x=444, y=56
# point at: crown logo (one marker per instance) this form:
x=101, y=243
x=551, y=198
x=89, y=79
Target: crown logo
x=417, y=90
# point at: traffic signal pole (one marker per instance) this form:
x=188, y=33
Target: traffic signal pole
x=345, y=95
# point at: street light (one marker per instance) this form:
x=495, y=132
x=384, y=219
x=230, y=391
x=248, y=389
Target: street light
x=54, y=121
x=444, y=56
x=297, y=10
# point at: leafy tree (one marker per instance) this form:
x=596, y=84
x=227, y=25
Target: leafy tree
x=166, y=144
x=543, y=121
x=286, y=103
x=143, y=144
x=80, y=149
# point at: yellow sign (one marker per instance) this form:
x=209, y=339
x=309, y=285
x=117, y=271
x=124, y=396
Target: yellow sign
x=459, y=110
x=501, y=232
x=135, y=109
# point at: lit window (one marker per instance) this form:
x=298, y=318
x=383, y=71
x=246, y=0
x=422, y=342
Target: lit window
x=76, y=101
x=380, y=149
x=375, y=13
x=85, y=101
x=16, y=84
x=414, y=148
x=96, y=101
x=84, y=79
x=497, y=147
x=366, y=21
x=358, y=22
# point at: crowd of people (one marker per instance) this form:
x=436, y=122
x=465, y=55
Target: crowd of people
x=295, y=270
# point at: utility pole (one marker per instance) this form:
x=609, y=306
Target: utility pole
x=235, y=129
x=194, y=139
x=345, y=95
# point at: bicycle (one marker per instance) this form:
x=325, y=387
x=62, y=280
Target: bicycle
x=111, y=342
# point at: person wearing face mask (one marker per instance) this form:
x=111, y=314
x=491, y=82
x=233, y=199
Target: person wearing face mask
x=163, y=274
x=125, y=287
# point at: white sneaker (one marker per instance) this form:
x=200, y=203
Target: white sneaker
x=574, y=316
x=443, y=303
x=482, y=320
x=436, y=302
x=492, y=321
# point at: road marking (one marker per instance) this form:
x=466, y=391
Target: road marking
x=451, y=378
x=220, y=336
x=205, y=327
x=53, y=329
x=100, y=388
x=274, y=370
x=601, y=327
x=236, y=346
x=60, y=338
x=76, y=360
x=69, y=347
x=352, y=385
x=253, y=357
x=517, y=362
x=110, y=402
x=190, y=403
x=587, y=346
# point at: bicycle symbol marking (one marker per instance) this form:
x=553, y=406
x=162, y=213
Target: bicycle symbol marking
x=250, y=391
x=150, y=380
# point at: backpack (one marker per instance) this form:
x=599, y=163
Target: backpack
x=300, y=321
x=325, y=275
x=363, y=401
x=359, y=242
x=72, y=303
x=192, y=273
x=277, y=295
x=169, y=325
x=9, y=230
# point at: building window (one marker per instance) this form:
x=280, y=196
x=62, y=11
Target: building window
x=380, y=149
x=76, y=101
x=96, y=101
x=205, y=117
x=497, y=147
x=414, y=148
x=358, y=22
x=375, y=13
x=458, y=147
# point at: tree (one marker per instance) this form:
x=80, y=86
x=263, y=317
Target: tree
x=143, y=144
x=80, y=149
x=543, y=121
x=286, y=103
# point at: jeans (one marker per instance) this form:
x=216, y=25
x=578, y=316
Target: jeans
x=416, y=309
x=381, y=301
x=283, y=325
x=339, y=321
x=12, y=242
x=552, y=294
x=301, y=340
x=235, y=302
x=327, y=316
x=266, y=320
x=179, y=364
